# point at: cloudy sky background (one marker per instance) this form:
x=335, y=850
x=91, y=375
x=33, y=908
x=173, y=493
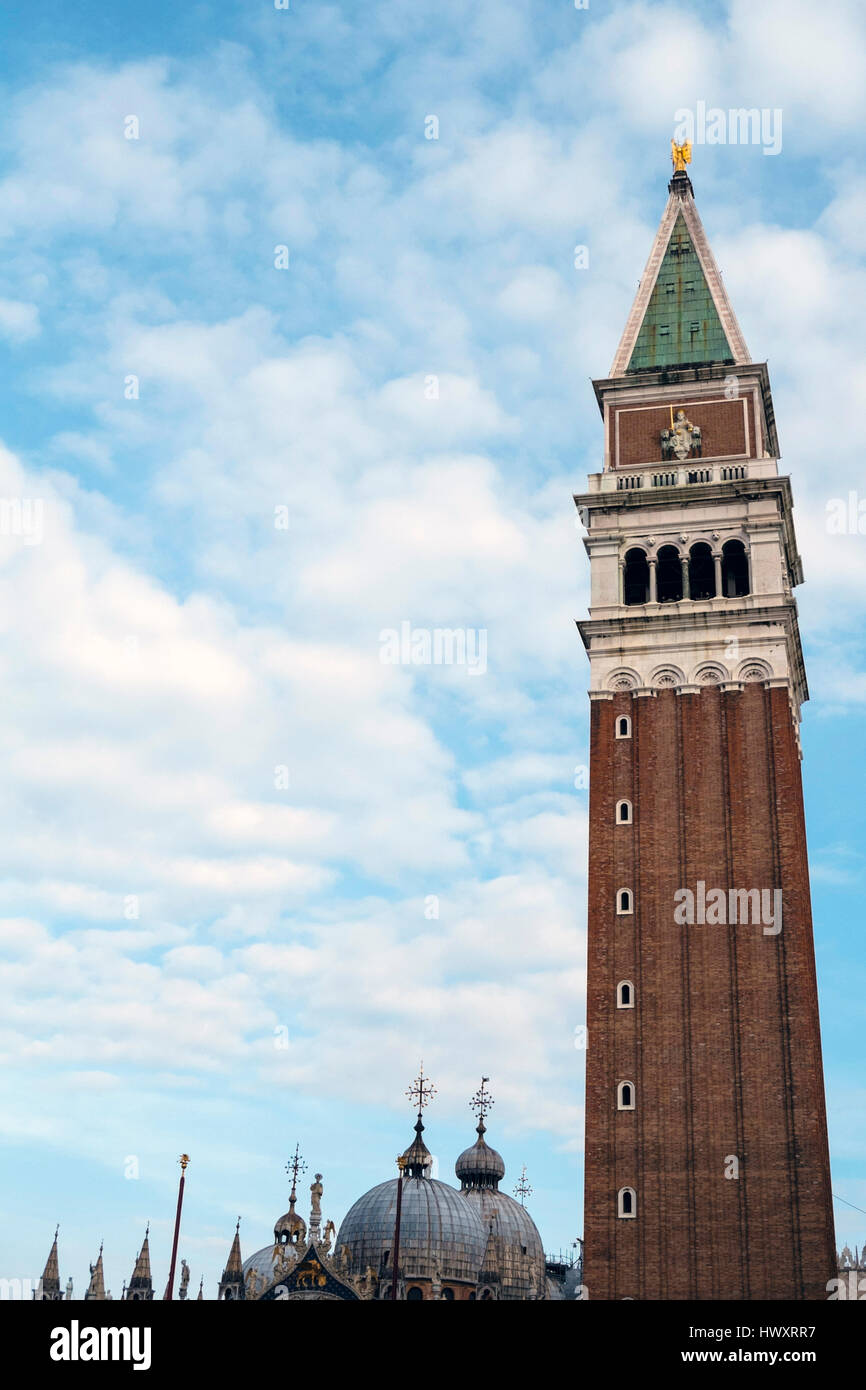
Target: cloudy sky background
x=171, y=917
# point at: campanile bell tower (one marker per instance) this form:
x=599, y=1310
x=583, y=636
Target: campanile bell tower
x=707, y=1167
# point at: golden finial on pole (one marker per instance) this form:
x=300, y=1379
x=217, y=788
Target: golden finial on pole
x=681, y=155
x=395, y=1263
x=169, y=1288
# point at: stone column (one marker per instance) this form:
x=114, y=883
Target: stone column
x=652, y=561
x=684, y=562
x=717, y=565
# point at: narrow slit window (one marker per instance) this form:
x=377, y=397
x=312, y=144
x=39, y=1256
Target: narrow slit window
x=625, y=1095
x=625, y=995
x=623, y=726
x=623, y=813
x=624, y=905
x=626, y=1202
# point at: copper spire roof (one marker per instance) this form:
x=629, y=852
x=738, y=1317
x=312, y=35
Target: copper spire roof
x=141, y=1277
x=681, y=315
x=51, y=1273
x=234, y=1266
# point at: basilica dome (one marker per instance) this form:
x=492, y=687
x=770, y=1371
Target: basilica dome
x=514, y=1264
x=441, y=1235
x=263, y=1264
x=480, y=1166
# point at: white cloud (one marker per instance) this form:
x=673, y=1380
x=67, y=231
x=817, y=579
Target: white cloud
x=18, y=321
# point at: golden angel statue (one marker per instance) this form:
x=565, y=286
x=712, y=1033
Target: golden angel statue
x=681, y=155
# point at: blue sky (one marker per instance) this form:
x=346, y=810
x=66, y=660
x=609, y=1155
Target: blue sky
x=170, y=915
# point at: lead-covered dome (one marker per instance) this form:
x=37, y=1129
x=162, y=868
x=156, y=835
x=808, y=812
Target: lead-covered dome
x=291, y=1229
x=480, y=1166
x=441, y=1237
x=514, y=1265
x=262, y=1262
x=441, y=1234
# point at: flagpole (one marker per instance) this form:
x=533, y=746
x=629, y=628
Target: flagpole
x=401, y=1164
x=169, y=1288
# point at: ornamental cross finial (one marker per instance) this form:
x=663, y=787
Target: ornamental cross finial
x=421, y=1092
x=522, y=1189
x=295, y=1166
x=482, y=1101
x=681, y=155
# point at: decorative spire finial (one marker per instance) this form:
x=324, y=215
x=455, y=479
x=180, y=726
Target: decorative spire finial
x=522, y=1188
x=481, y=1103
x=421, y=1092
x=296, y=1166
x=417, y=1156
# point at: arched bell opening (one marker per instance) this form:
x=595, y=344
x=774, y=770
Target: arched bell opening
x=635, y=577
x=669, y=584
x=735, y=570
x=702, y=571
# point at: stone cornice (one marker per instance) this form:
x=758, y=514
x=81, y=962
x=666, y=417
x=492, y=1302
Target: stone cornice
x=650, y=381
x=634, y=632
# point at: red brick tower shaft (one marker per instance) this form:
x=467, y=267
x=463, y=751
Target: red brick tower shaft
x=707, y=1167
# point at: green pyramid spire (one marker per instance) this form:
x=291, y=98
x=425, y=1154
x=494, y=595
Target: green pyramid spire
x=681, y=326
